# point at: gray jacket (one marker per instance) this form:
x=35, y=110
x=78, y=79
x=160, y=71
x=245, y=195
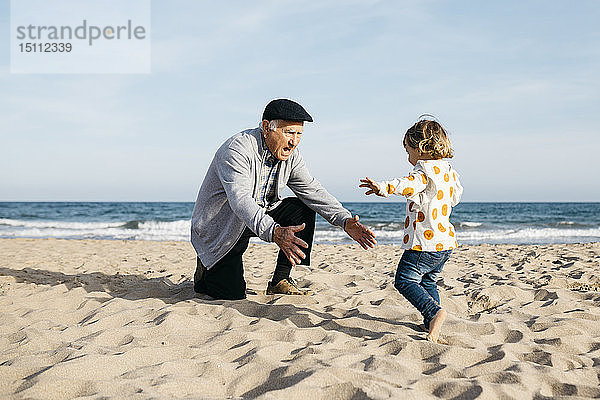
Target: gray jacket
x=226, y=203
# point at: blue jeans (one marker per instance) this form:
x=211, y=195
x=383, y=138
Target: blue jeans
x=416, y=279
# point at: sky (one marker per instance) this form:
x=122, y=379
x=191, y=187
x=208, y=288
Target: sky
x=516, y=83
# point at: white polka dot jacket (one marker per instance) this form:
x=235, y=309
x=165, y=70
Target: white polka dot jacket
x=432, y=188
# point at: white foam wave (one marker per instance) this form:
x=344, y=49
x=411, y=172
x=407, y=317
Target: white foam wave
x=509, y=235
x=525, y=235
x=149, y=230
x=470, y=224
x=59, y=224
x=180, y=231
x=172, y=230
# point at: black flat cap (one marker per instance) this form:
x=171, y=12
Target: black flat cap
x=287, y=110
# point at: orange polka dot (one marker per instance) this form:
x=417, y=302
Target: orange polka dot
x=440, y=195
x=434, y=213
x=441, y=228
x=455, y=243
x=439, y=247
x=424, y=179
x=436, y=170
x=414, y=224
x=411, y=178
x=406, y=237
x=450, y=248
x=451, y=191
x=408, y=191
x=417, y=247
x=454, y=176
x=410, y=206
x=390, y=189
x=446, y=178
x=428, y=234
x=406, y=222
x=445, y=210
x=420, y=217
x=450, y=233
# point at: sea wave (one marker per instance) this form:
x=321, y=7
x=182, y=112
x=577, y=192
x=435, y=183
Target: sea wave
x=514, y=236
x=130, y=230
x=571, y=224
x=386, y=233
x=468, y=224
x=58, y=224
x=530, y=235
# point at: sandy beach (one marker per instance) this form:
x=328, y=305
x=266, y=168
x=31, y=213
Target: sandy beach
x=119, y=319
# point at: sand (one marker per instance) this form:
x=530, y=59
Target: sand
x=119, y=319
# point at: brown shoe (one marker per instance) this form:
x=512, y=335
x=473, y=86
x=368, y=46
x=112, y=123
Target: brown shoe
x=286, y=286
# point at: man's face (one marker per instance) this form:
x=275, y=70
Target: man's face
x=283, y=140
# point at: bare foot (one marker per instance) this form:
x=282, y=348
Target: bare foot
x=436, y=325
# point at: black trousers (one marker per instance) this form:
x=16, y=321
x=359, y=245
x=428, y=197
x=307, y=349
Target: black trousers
x=225, y=280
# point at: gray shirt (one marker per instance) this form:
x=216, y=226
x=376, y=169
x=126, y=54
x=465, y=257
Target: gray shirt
x=227, y=200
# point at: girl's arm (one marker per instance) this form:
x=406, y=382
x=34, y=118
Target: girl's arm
x=408, y=186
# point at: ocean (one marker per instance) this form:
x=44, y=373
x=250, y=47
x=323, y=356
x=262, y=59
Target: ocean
x=475, y=223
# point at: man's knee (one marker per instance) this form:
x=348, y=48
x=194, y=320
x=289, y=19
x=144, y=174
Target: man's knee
x=232, y=296
x=297, y=203
x=299, y=212
x=306, y=210
x=218, y=292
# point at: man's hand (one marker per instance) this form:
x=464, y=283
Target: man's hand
x=357, y=231
x=371, y=185
x=289, y=243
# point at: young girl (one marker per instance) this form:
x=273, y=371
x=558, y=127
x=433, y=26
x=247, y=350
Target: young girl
x=432, y=188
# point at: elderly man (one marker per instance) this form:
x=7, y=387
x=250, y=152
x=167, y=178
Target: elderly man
x=240, y=198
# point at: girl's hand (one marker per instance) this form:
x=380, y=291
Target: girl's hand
x=371, y=185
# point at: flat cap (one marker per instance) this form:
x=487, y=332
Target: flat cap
x=287, y=110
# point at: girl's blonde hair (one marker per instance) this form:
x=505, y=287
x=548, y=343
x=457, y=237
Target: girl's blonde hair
x=429, y=137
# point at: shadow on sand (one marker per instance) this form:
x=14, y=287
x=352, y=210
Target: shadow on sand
x=136, y=287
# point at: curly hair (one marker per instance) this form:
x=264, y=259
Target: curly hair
x=430, y=138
